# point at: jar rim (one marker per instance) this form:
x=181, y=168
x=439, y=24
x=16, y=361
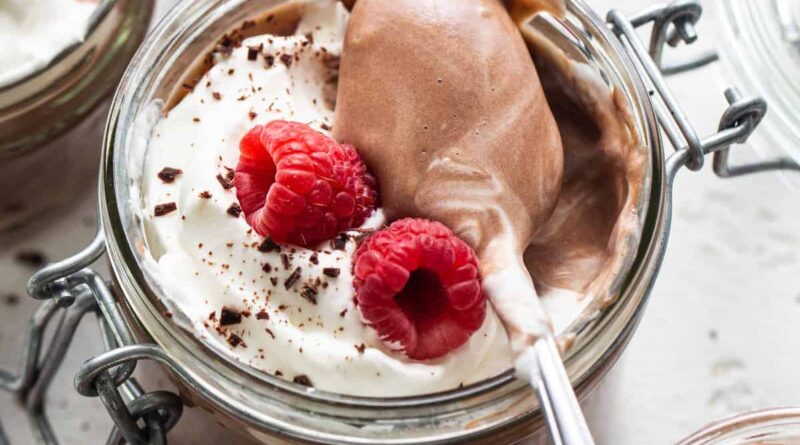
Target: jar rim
x=634, y=290
x=765, y=421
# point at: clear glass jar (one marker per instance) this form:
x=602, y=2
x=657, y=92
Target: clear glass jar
x=51, y=121
x=273, y=410
x=774, y=426
x=762, y=54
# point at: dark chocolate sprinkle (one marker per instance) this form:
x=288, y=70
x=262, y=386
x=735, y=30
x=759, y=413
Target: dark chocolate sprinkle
x=234, y=340
x=252, y=53
x=226, y=183
x=314, y=258
x=285, y=260
x=163, y=209
x=303, y=380
x=229, y=316
x=309, y=294
x=269, y=331
x=332, y=272
x=292, y=278
x=269, y=246
x=234, y=210
x=168, y=174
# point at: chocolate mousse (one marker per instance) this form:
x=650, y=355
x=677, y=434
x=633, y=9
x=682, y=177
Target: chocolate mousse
x=453, y=97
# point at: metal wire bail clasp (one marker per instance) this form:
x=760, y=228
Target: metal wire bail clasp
x=672, y=24
x=68, y=287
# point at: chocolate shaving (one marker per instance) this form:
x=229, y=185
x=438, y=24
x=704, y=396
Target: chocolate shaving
x=205, y=194
x=234, y=340
x=278, y=373
x=332, y=272
x=168, y=174
x=361, y=348
x=262, y=315
x=216, y=95
x=229, y=316
x=314, y=258
x=163, y=209
x=266, y=267
x=226, y=183
x=270, y=59
x=302, y=380
x=252, y=53
x=287, y=264
x=292, y=278
x=309, y=294
x=269, y=246
x=234, y=210
x=287, y=59
x=325, y=127
x=269, y=331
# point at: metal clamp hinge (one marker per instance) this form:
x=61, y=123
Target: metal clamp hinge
x=70, y=291
x=672, y=24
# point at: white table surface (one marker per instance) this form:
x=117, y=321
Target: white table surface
x=720, y=334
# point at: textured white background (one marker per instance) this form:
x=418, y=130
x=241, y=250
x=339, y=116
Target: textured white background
x=720, y=334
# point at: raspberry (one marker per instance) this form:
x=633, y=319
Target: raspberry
x=299, y=186
x=417, y=285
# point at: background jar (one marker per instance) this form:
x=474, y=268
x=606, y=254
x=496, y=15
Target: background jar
x=774, y=426
x=51, y=120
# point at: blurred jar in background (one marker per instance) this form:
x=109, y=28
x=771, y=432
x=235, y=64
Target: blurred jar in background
x=59, y=62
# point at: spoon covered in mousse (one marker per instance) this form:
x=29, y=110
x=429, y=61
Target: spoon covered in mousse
x=445, y=105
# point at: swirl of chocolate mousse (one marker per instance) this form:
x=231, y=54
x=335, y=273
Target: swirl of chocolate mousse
x=442, y=100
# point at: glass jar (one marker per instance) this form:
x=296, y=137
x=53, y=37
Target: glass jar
x=773, y=426
x=271, y=409
x=51, y=120
x=762, y=53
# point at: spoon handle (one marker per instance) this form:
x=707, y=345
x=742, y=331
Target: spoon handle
x=560, y=406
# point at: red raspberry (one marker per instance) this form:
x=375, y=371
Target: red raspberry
x=417, y=285
x=299, y=186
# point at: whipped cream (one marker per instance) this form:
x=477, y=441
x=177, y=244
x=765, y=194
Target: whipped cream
x=207, y=258
x=34, y=32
